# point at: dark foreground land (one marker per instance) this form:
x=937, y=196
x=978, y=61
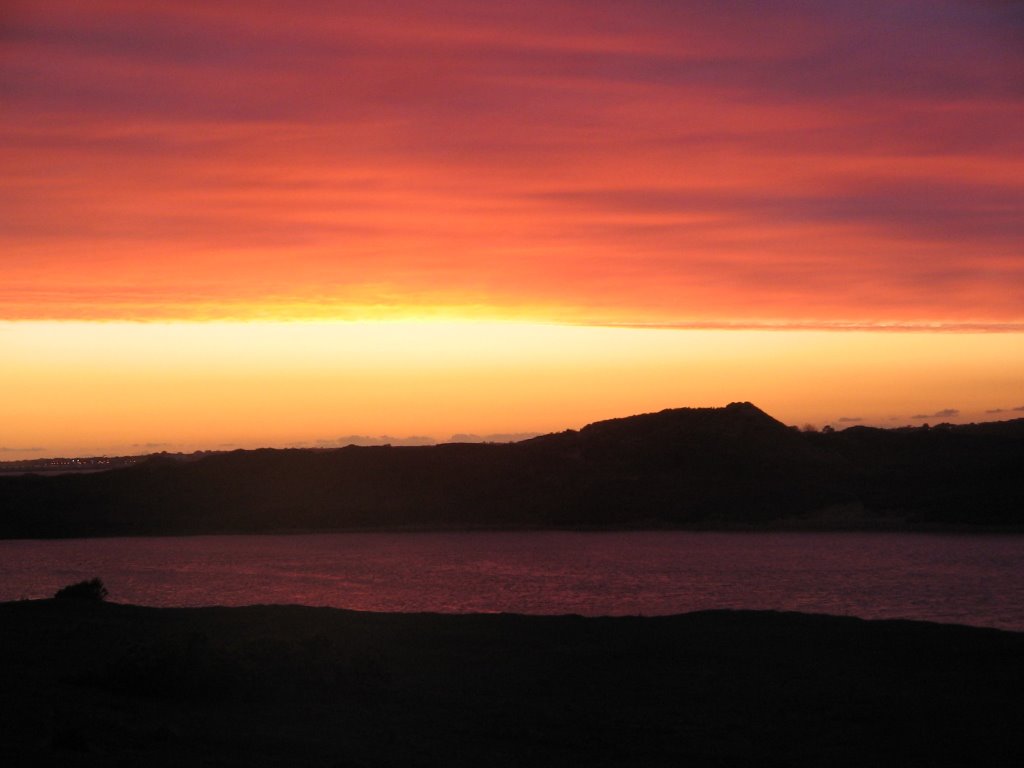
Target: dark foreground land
x=105, y=684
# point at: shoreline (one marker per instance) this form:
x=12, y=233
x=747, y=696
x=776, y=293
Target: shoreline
x=788, y=525
x=795, y=526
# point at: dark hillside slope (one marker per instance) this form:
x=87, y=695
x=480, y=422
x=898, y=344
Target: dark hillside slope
x=710, y=467
x=697, y=465
x=971, y=474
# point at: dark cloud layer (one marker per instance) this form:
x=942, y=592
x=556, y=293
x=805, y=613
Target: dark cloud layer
x=945, y=413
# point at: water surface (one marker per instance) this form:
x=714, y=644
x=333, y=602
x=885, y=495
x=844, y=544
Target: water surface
x=948, y=578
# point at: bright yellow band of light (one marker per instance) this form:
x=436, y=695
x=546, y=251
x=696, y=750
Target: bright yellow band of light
x=84, y=388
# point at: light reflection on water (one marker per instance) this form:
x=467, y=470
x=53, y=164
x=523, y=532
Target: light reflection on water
x=948, y=578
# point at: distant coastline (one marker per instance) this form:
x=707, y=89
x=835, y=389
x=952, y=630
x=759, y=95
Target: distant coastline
x=731, y=468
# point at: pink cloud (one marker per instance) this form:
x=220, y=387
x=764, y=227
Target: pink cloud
x=663, y=162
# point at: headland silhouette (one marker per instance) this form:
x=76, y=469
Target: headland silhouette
x=731, y=467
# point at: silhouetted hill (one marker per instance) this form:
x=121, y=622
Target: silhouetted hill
x=98, y=684
x=698, y=467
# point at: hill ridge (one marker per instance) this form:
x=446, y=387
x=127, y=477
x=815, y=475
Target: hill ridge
x=690, y=467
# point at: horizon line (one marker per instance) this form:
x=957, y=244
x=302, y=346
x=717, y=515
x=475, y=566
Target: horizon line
x=429, y=441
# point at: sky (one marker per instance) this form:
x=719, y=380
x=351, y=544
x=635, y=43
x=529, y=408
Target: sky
x=258, y=223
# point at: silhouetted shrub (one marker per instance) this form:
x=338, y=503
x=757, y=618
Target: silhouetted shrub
x=92, y=589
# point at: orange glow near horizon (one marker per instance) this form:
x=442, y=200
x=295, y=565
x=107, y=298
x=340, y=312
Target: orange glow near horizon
x=122, y=388
x=261, y=223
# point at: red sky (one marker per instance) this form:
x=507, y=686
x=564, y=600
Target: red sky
x=682, y=162
x=338, y=165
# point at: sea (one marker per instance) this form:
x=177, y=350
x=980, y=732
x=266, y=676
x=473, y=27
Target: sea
x=964, y=579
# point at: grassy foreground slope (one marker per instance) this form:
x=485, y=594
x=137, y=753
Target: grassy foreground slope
x=104, y=684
